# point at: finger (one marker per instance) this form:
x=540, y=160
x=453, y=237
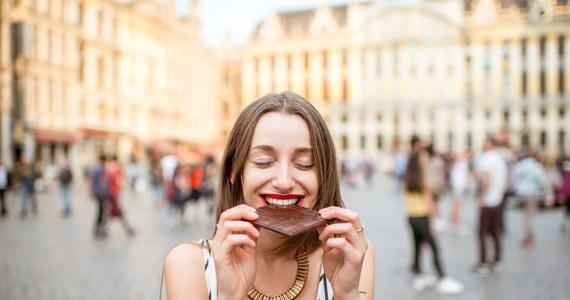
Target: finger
x=239, y=212
x=342, y=214
x=238, y=227
x=346, y=231
x=231, y=242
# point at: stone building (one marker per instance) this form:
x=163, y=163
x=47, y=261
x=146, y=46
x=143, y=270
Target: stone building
x=95, y=77
x=451, y=71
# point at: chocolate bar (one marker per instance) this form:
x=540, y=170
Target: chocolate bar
x=288, y=220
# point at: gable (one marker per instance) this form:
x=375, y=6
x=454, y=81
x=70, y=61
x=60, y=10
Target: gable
x=406, y=24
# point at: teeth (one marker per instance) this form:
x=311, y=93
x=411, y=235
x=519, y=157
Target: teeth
x=274, y=201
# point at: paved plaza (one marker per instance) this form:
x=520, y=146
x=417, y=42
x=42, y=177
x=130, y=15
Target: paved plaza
x=50, y=257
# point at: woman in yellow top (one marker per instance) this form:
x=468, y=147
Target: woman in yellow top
x=420, y=209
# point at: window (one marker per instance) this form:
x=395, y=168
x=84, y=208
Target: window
x=542, y=46
x=561, y=78
x=542, y=83
x=362, y=142
x=379, y=142
x=524, y=83
x=344, y=142
x=379, y=61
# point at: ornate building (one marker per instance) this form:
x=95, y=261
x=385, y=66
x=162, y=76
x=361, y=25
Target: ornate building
x=442, y=69
x=5, y=83
x=109, y=77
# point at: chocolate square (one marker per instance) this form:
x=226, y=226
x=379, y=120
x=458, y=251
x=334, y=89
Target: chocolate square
x=288, y=220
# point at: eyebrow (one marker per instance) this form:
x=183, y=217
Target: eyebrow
x=269, y=148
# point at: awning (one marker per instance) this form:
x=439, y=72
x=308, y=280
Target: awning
x=51, y=136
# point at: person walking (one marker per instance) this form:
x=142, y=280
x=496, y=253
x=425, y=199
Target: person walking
x=65, y=178
x=5, y=181
x=114, y=177
x=459, y=180
x=530, y=183
x=26, y=176
x=563, y=190
x=492, y=172
x=421, y=211
x=435, y=178
x=100, y=192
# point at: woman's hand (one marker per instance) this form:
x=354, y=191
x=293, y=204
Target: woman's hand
x=345, y=246
x=234, y=251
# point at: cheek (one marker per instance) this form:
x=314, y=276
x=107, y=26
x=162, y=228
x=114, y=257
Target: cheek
x=310, y=182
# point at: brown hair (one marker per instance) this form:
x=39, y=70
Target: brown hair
x=413, y=178
x=230, y=189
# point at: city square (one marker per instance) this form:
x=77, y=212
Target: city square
x=50, y=257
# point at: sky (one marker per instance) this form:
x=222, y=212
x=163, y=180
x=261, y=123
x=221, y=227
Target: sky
x=238, y=18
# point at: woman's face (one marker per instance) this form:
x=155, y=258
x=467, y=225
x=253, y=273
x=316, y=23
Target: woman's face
x=280, y=169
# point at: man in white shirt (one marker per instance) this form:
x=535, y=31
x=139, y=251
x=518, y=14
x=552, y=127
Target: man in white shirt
x=492, y=173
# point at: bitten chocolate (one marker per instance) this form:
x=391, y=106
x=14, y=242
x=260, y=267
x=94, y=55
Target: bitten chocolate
x=288, y=220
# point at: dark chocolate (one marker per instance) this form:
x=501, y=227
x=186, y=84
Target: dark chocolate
x=288, y=220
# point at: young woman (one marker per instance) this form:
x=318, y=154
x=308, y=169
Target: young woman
x=279, y=150
x=420, y=209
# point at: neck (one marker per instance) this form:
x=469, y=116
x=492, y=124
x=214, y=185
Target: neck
x=267, y=243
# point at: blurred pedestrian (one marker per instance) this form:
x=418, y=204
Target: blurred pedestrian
x=510, y=158
x=157, y=183
x=435, y=178
x=100, y=192
x=114, y=177
x=209, y=184
x=530, y=184
x=564, y=189
x=133, y=174
x=400, y=163
x=5, y=181
x=26, y=176
x=459, y=180
x=420, y=210
x=180, y=195
x=492, y=172
x=368, y=170
x=65, y=178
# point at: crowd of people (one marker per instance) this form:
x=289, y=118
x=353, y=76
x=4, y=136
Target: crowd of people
x=493, y=177
x=175, y=185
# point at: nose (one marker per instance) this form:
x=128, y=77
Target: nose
x=283, y=178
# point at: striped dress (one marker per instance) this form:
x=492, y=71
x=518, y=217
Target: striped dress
x=324, y=292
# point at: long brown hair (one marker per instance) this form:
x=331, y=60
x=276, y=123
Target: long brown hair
x=413, y=178
x=230, y=188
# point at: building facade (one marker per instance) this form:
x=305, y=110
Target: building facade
x=109, y=77
x=449, y=71
x=5, y=83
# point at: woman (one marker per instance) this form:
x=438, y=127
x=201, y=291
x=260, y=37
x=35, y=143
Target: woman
x=279, y=150
x=420, y=209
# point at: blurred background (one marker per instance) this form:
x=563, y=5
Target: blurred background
x=157, y=81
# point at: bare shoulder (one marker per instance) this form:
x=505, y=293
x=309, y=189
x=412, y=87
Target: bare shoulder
x=184, y=271
x=184, y=253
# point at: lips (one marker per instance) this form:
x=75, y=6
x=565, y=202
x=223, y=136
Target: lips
x=282, y=200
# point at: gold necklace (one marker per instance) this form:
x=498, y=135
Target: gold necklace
x=295, y=290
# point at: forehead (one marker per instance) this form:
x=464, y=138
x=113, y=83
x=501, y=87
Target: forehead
x=281, y=129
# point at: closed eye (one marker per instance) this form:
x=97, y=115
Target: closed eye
x=262, y=164
x=304, y=166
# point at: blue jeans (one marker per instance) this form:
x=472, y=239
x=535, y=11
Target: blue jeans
x=65, y=190
x=28, y=194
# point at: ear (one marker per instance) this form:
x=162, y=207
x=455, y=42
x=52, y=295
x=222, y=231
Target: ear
x=232, y=176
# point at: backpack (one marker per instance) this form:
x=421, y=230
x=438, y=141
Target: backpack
x=101, y=188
